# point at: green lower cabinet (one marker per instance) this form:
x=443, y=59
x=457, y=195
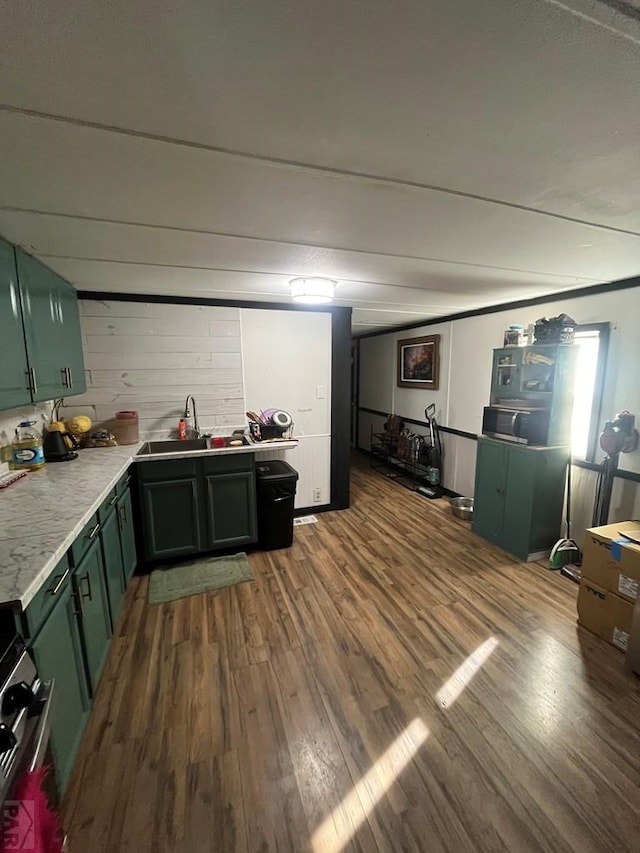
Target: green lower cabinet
x=57, y=653
x=89, y=579
x=171, y=518
x=112, y=559
x=519, y=495
x=491, y=483
x=127, y=534
x=68, y=623
x=231, y=509
x=190, y=506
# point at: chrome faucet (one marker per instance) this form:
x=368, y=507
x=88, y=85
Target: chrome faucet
x=187, y=414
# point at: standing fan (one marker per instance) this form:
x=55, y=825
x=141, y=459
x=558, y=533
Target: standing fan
x=618, y=436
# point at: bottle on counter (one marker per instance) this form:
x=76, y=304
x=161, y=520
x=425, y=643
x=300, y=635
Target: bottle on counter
x=182, y=429
x=26, y=448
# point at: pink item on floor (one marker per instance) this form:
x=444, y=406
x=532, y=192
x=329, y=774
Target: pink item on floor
x=29, y=822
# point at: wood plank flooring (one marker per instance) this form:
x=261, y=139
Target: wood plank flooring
x=390, y=683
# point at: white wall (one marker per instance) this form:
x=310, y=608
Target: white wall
x=287, y=365
x=465, y=376
x=377, y=381
x=148, y=357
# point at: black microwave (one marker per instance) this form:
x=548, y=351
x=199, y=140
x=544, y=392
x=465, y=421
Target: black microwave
x=524, y=426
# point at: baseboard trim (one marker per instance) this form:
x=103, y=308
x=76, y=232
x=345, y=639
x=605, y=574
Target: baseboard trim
x=312, y=510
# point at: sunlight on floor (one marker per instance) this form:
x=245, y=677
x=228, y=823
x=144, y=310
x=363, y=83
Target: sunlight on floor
x=450, y=691
x=549, y=687
x=343, y=822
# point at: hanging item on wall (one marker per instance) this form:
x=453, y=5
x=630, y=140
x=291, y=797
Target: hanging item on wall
x=419, y=362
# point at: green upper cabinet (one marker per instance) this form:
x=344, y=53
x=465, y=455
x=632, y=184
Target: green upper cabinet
x=14, y=383
x=51, y=331
x=71, y=345
x=43, y=327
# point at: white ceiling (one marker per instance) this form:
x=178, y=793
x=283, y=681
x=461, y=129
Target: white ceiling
x=431, y=156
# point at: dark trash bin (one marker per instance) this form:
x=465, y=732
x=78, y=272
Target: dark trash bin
x=276, y=488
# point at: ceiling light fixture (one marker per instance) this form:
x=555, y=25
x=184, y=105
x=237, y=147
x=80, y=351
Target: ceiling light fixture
x=312, y=291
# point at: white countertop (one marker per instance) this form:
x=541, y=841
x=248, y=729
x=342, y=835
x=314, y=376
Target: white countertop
x=41, y=514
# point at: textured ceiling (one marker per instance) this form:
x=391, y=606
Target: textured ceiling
x=432, y=157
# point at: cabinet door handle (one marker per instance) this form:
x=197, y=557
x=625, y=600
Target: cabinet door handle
x=31, y=380
x=69, y=377
x=113, y=500
x=62, y=578
x=65, y=378
x=86, y=594
x=77, y=603
x=94, y=532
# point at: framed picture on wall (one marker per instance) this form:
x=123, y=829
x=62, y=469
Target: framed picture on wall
x=419, y=362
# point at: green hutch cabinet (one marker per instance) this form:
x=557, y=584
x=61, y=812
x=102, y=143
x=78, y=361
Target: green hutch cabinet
x=537, y=377
x=519, y=490
x=519, y=496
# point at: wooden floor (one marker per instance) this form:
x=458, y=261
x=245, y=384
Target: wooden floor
x=391, y=682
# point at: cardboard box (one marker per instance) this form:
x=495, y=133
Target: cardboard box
x=612, y=561
x=633, y=652
x=605, y=613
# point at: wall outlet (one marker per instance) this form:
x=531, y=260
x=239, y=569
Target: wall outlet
x=317, y=495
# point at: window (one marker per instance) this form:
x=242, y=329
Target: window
x=592, y=341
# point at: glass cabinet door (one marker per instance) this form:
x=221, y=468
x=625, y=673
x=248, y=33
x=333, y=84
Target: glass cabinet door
x=538, y=370
x=507, y=365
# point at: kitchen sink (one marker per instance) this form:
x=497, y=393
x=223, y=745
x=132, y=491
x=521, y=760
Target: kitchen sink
x=179, y=446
